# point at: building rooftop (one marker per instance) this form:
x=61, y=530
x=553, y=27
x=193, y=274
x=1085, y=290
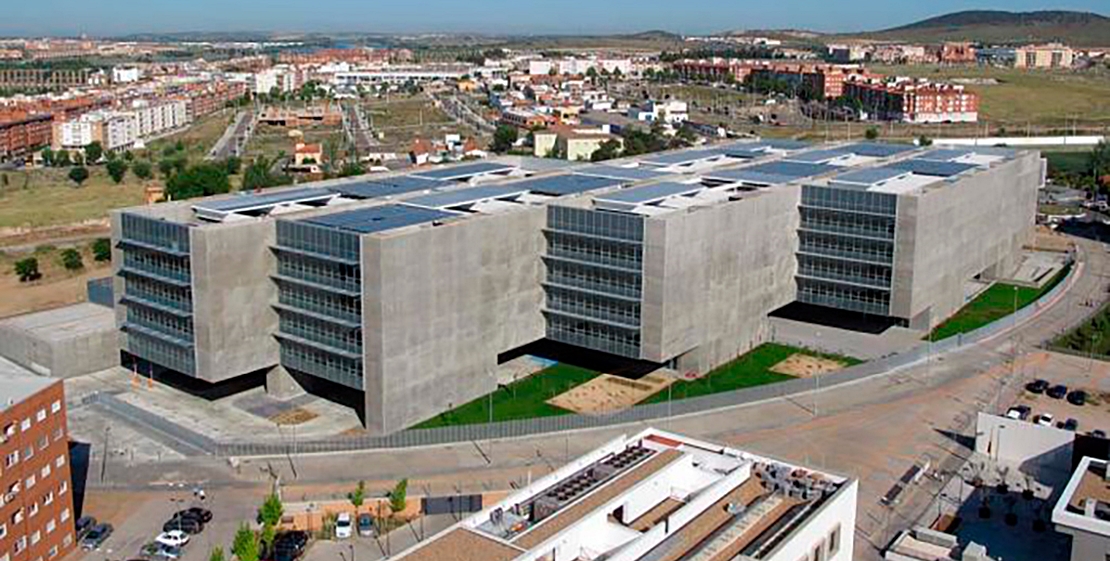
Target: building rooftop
x=654, y=496
x=15, y=386
x=466, y=171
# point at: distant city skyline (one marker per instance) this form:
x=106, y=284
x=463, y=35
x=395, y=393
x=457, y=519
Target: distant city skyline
x=121, y=17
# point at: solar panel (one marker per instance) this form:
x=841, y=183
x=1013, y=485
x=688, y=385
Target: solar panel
x=379, y=218
x=559, y=185
x=616, y=172
x=944, y=154
x=771, y=173
x=465, y=171
x=683, y=157
x=386, y=187
x=466, y=196
x=878, y=150
x=651, y=193
x=818, y=156
x=869, y=176
x=931, y=167
x=263, y=200
x=785, y=144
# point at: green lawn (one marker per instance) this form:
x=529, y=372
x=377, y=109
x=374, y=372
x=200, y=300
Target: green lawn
x=523, y=399
x=993, y=304
x=1090, y=337
x=751, y=369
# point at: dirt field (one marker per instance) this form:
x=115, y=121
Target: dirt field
x=58, y=287
x=805, y=366
x=1048, y=240
x=607, y=393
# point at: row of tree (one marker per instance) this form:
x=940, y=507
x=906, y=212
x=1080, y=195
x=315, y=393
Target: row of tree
x=27, y=269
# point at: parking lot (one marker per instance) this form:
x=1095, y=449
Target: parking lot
x=1076, y=374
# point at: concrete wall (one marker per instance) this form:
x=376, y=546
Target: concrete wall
x=954, y=231
x=837, y=516
x=62, y=343
x=1012, y=441
x=233, y=321
x=712, y=274
x=439, y=304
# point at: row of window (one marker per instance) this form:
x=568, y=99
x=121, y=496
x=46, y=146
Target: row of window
x=844, y=297
x=348, y=308
x=338, y=275
x=162, y=322
x=317, y=239
x=846, y=247
x=156, y=263
x=825, y=549
x=17, y=487
x=600, y=337
x=152, y=291
x=596, y=222
x=593, y=306
x=40, y=416
x=849, y=200
x=162, y=353
x=596, y=251
x=161, y=233
x=835, y=222
x=878, y=276
x=322, y=364
x=595, y=278
x=21, y=543
x=321, y=332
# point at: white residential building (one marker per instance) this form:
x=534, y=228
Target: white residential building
x=157, y=118
x=125, y=75
x=657, y=495
x=672, y=112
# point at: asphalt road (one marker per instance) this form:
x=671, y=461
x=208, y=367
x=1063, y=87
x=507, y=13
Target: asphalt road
x=872, y=430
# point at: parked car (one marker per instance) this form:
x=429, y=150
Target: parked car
x=343, y=527
x=288, y=546
x=1057, y=392
x=173, y=538
x=1037, y=386
x=1098, y=433
x=1018, y=412
x=1077, y=397
x=1044, y=419
x=1071, y=424
x=186, y=524
x=202, y=514
x=96, y=536
x=168, y=552
x=365, y=525
x=83, y=525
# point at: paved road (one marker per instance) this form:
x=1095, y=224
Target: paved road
x=234, y=138
x=873, y=430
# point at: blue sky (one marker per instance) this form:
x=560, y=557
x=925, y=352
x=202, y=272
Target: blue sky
x=107, y=17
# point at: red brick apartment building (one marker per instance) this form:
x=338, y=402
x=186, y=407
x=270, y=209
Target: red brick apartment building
x=36, y=514
x=826, y=80
x=914, y=101
x=22, y=133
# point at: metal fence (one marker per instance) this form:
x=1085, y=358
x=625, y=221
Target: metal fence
x=530, y=427
x=100, y=292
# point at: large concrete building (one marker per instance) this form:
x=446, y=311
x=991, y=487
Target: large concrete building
x=657, y=496
x=398, y=294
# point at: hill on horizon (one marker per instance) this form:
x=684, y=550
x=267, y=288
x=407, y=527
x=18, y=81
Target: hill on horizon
x=1080, y=29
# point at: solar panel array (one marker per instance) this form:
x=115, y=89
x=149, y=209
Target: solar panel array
x=878, y=150
x=464, y=171
x=263, y=200
x=651, y=193
x=683, y=157
x=560, y=185
x=869, y=176
x=772, y=173
x=379, y=218
x=932, y=167
x=944, y=154
x=816, y=156
x=390, y=186
x=467, y=196
x=616, y=172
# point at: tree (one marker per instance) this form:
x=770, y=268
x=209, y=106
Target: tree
x=167, y=167
x=267, y=536
x=79, y=174
x=233, y=164
x=398, y=497
x=1099, y=160
x=358, y=496
x=61, y=159
x=102, y=249
x=606, y=151
x=271, y=510
x=924, y=141
x=351, y=169
x=93, y=152
x=245, y=545
x=872, y=133
x=142, y=169
x=217, y=554
x=117, y=169
x=504, y=138
x=201, y=180
x=331, y=153
x=48, y=156
x=28, y=269
x=259, y=176
x=71, y=260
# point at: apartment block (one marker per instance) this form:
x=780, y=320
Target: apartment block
x=22, y=133
x=399, y=293
x=36, y=505
x=914, y=101
x=1053, y=55
x=113, y=130
x=659, y=496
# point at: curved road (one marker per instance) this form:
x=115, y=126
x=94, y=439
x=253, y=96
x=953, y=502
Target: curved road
x=873, y=429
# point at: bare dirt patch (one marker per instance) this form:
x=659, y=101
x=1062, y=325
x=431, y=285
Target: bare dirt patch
x=297, y=416
x=608, y=393
x=806, y=366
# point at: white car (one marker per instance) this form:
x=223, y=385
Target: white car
x=173, y=538
x=343, y=526
x=1045, y=420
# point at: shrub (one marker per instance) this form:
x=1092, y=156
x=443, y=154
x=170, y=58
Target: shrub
x=71, y=260
x=79, y=174
x=102, y=249
x=28, y=269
